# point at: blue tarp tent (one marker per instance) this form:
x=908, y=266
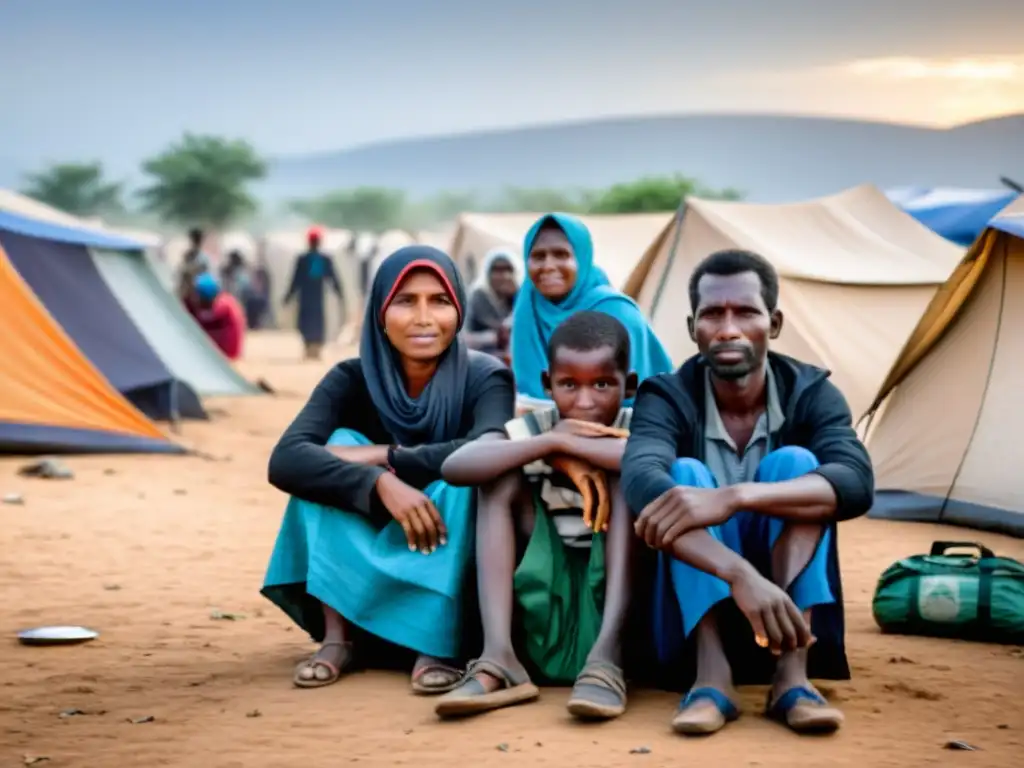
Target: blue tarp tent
x=57, y=264
x=959, y=215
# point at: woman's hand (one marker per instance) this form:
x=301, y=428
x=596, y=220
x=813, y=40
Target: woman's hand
x=593, y=487
x=415, y=512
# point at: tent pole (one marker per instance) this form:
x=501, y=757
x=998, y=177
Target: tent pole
x=663, y=279
x=175, y=415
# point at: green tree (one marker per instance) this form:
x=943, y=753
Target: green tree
x=655, y=193
x=202, y=180
x=76, y=188
x=367, y=209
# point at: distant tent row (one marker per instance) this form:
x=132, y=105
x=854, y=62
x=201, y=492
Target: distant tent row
x=949, y=413
x=959, y=215
x=101, y=323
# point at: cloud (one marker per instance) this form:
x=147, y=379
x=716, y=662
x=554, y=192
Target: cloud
x=1003, y=69
x=927, y=91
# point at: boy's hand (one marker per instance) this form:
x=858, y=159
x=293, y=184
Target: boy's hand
x=581, y=428
x=593, y=487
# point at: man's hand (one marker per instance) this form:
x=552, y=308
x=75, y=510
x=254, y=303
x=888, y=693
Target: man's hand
x=581, y=428
x=778, y=624
x=593, y=487
x=680, y=510
x=415, y=512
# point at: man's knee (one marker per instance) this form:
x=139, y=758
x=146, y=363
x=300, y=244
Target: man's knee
x=787, y=463
x=691, y=472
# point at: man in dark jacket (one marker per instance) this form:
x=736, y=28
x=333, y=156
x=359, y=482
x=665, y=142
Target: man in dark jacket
x=739, y=465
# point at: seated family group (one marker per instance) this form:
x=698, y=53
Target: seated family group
x=686, y=516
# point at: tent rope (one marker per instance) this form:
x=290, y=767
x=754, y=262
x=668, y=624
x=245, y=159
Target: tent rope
x=984, y=392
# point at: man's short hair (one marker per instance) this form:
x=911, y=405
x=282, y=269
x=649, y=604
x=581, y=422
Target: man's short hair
x=588, y=330
x=734, y=261
x=195, y=235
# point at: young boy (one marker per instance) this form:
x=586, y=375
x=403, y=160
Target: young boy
x=550, y=493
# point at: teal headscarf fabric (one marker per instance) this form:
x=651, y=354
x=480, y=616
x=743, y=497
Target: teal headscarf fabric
x=534, y=318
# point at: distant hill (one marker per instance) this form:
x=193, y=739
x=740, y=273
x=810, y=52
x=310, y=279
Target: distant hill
x=771, y=158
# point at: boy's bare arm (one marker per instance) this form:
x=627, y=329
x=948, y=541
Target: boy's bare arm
x=494, y=455
x=601, y=452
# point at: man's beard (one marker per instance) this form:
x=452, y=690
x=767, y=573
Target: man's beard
x=732, y=371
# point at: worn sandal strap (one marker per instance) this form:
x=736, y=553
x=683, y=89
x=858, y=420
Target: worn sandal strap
x=782, y=705
x=506, y=678
x=313, y=662
x=722, y=702
x=426, y=668
x=604, y=674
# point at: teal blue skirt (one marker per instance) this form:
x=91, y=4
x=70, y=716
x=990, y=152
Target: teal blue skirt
x=364, y=570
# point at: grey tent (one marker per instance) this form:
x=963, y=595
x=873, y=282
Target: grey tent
x=178, y=341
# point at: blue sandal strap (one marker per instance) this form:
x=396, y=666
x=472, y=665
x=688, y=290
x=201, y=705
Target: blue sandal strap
x=779, y=708
x=720, y=700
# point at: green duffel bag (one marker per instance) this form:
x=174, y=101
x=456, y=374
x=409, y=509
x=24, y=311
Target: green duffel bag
x=975, y=596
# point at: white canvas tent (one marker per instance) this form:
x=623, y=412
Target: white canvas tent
x=945, y=441
x=855, y=274
x=17, y=203
x=619, y=240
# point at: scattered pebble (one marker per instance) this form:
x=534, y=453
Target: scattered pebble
x=961, y=745
x=112, y=587
x=47, y=468
x=70, y=713
x=15, y=499
x=34, y=759
x=640, y=751
x=254, y=713
x=180, y=492
x=226, y=616
x=1003, y=726
x=141, y=720
x=503, y=747
x=109, y=471
x=407, y=731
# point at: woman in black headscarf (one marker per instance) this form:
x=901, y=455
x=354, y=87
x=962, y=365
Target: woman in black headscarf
x=372, y=539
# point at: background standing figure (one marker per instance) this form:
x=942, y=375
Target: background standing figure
x=195, y=263
x=312, y=270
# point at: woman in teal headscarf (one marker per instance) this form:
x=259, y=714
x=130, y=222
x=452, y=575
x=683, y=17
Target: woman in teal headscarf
x=563, y=280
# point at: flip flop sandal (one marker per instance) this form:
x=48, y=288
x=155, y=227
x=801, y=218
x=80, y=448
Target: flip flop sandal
x=419, y=688
x=804, y=710
x=599, y=692
x=313, y=662
x=725, y=712
x=470, y=697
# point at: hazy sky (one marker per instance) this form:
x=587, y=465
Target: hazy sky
x=117, y=79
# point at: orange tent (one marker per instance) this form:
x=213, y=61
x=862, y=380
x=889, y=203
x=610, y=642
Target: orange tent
x=52, y=399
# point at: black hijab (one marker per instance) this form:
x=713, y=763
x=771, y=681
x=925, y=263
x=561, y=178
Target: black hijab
x=436, y=415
